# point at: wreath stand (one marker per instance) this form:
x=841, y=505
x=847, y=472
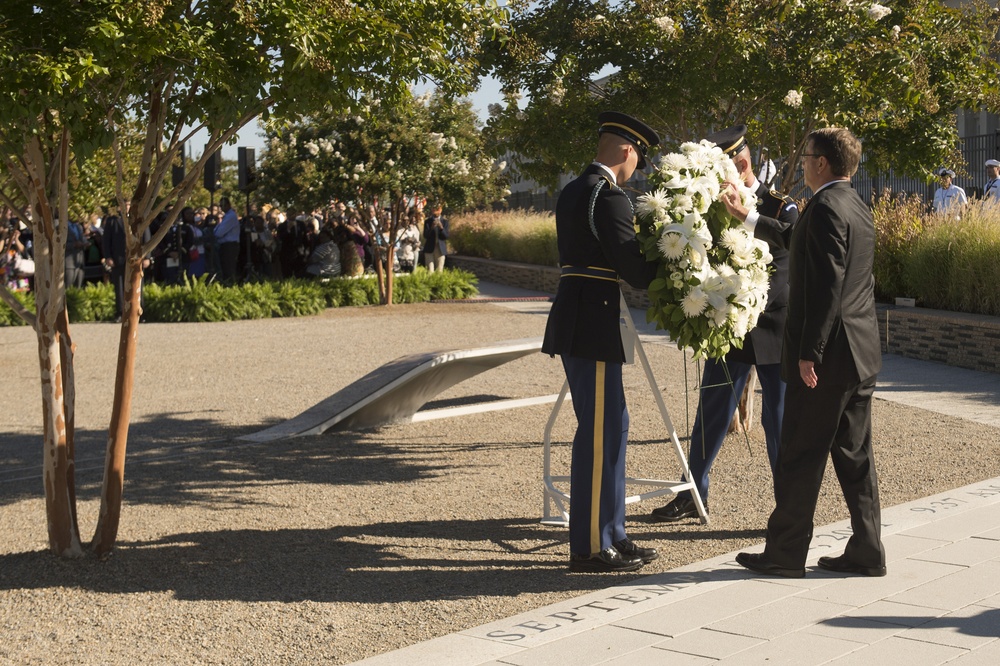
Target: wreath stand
x=556, y=501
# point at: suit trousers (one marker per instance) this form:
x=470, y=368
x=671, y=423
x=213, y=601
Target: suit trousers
x=597, y=474
x=715, y=412
x=833, y=421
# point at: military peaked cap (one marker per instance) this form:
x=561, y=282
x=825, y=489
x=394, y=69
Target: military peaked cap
x=731, y=140
x=639, y=133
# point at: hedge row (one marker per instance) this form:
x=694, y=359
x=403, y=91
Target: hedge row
x=201, y=300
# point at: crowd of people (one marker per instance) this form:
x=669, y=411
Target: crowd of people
x=264, y=244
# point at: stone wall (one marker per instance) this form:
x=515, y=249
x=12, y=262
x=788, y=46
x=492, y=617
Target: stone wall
x=954, y=338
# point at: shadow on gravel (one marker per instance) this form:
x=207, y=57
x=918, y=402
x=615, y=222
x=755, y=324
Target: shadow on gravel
x=340, y=564
x=177, y=461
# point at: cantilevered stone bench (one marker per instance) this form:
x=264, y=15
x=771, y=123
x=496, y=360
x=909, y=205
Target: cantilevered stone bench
x=396, y=391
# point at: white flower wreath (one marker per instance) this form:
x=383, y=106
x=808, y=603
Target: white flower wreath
x=712, y=281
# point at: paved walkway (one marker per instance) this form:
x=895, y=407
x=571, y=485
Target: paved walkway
x=939, y=603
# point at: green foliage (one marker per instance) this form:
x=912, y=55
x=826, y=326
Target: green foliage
x=521, y=236
x=95, y=302
x=953, y=264
x=8, y=317
x=893, y=75
x=202, y=301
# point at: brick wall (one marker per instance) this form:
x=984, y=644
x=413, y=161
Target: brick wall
x=954, y=338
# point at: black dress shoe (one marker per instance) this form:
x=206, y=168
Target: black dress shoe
x=678, y=509
x=758, y=563
x=843, y=565
x=629, y=550
x=608, y=560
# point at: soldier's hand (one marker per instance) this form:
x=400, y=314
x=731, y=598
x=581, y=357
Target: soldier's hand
x=734, y=203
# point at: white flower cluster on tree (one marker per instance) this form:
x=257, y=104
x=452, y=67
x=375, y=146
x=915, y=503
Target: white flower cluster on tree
x=667, y=25
x=793, y=99
x=713, y=278
x=878, y=12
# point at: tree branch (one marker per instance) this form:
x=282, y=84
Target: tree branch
x=7, y=297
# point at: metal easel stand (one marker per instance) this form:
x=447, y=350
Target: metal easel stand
x=556, y=500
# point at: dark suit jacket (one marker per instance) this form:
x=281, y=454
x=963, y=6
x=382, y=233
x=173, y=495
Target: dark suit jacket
x=435, y=237
x=583, y=321
x=778, y=214
x=831, y=299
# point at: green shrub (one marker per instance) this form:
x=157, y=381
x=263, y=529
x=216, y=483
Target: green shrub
x=953, y=265
x=522, y=236
x=8, y=317
x=200, y=300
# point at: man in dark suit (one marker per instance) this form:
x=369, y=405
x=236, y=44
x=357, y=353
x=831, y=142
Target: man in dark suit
x=830, y=360
x=774, y=216
x=116, y=253
x=595, y=234
x=435, y=239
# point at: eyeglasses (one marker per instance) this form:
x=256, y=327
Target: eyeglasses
x=811, y=155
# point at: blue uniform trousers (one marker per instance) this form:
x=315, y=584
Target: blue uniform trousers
x=715, y=412
x=597, y=475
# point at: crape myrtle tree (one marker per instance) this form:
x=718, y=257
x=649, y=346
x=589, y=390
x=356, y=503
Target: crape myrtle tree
x=378, y=153
x=74, y=74
x=894, y=74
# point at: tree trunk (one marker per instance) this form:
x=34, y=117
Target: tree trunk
x=121, y=411
x=56, y=379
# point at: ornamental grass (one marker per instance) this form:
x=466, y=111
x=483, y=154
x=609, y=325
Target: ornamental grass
x=523, y=236
x=955, y=264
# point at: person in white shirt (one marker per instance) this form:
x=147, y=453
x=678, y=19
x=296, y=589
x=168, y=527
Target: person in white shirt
x=992, y=190
x=949, y=197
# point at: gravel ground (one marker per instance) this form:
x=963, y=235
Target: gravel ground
x=332, y=548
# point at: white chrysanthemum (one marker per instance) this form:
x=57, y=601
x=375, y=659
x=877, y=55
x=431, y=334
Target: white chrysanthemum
x=690, y=147
x=741, y=326
x=701, y=160
x=694, y=302
x=895, y=31
x=667, y=25
x=734, y=239
x=674, y=162
x=672, y=245
x=683, y=204
x=654, y=203
x=717, y=318
x=793, y=99
x=312, y=148
x=390, y=163
x=878, y=12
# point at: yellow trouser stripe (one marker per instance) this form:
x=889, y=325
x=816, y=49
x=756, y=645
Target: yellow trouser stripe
x=595, y=488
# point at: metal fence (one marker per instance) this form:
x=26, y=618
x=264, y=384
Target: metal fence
x=975, y=151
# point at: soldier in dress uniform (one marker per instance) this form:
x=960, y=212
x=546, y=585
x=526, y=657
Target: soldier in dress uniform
x=775, y=214
x=992, y=190
x=595, y=229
